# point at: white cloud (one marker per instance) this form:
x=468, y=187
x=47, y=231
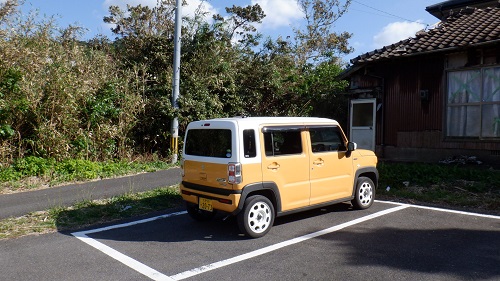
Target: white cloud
x=395, y=32
x=279, y=13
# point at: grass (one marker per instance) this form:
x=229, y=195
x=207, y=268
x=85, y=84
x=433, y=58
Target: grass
x=471, y=188
x=34, y=172
x=457, y=186
x=90, y=212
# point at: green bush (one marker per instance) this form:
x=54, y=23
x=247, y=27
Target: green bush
x=51, y=171
x=33, y=166
x=9, y=174
x=77, y=169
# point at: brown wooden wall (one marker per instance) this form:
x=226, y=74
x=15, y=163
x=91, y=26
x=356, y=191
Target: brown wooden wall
x=404, y=110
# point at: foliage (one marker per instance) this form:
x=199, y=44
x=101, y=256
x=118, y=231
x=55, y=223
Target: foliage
x=60, y=97
x=318, y=42
x=50, y=171
x=100, y=100
x=394, y=174
x=142, y=21
x=7, y=9
x=463, y=186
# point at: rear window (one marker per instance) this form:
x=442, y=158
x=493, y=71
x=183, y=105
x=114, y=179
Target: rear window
x=209, y=143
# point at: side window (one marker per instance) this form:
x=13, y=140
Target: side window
x=249, y=143
x=278, y=143
x=326, y=139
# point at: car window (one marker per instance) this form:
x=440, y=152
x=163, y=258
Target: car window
x=209, y=143
x=249, y=143
x=278, y=143
x=326, y=139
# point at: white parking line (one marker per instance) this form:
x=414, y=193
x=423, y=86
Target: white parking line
x=275, y=247
x=442, y=210
x=128, y=261
x=155, y=275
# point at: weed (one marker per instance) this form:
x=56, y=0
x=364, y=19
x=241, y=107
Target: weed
x=97, y=211
x=21, y=174
x=460, y=186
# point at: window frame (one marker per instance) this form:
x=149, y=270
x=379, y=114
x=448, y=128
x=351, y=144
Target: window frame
x=479, y=105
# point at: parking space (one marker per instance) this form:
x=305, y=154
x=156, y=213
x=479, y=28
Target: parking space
x=387, y=241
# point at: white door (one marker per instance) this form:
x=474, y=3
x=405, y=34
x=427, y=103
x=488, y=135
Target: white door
x=363, y=114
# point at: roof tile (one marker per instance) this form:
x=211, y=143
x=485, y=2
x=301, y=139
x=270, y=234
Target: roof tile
x=469, y=27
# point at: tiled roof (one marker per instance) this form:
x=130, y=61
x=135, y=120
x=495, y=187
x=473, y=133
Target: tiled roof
x=469, y=27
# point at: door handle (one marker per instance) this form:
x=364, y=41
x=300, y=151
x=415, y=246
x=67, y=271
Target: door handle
x=274, y=166
x=319, y=162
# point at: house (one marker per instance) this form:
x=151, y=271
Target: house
x=435, y=95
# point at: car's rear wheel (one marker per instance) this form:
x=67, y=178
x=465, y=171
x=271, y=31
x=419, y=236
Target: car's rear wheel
x=197, y=214
x=365, y=193
x=257, y=216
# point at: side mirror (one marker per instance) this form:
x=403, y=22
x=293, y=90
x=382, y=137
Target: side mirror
x=351, y=146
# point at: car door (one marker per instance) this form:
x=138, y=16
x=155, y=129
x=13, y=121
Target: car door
x=286, y=163
x=331, y=171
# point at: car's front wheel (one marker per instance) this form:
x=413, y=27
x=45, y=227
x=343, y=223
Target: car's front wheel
x=257, y=216
x=365, y=193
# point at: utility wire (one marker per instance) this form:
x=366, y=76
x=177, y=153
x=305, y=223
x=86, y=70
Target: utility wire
x=371, y=13
x=392, y=15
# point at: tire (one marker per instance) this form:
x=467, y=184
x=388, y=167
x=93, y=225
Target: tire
x=199, y=215
x=257, y=216
x=364, y=195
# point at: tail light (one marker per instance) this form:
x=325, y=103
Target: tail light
x=234, y=173
x=182, y=167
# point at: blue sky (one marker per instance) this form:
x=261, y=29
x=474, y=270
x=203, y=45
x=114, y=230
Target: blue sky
x=374, y=23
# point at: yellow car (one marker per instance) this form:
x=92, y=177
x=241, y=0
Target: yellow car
x=257, y=168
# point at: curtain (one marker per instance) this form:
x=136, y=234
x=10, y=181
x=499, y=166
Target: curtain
x=463, y=111
x=491, y=99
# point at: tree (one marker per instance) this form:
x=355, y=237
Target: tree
x=318, y=42
x=144, y=47
x=324, y=91
x=213, y=56
x=7, y=9
x=239, y=27
x=143, y=21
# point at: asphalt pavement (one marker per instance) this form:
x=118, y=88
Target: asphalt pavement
x=19, y=204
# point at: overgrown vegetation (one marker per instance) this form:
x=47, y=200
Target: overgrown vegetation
x=459, y=186
x=62, y=97
x=34, y=172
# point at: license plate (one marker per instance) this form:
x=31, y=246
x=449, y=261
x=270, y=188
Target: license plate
x=205, y=204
